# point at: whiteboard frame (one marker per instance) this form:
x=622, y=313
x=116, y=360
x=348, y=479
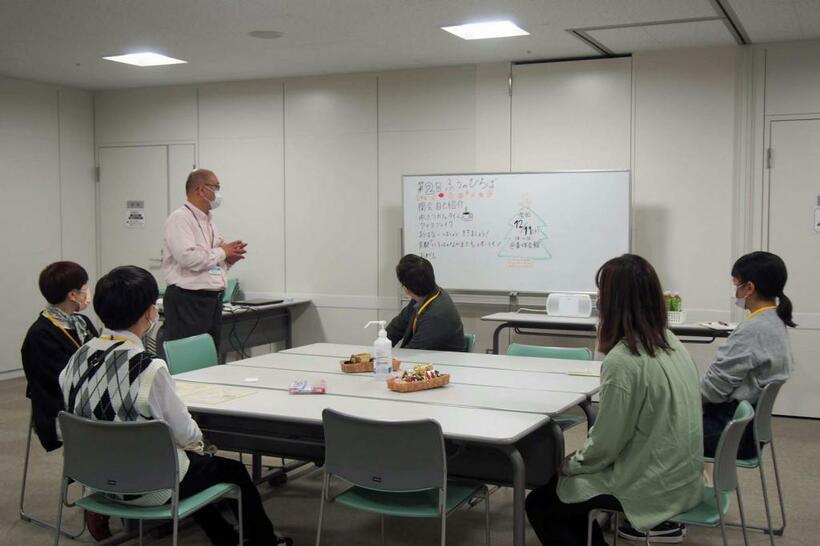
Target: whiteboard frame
x=521, y=292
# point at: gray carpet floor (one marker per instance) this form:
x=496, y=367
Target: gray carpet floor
x=293, y=507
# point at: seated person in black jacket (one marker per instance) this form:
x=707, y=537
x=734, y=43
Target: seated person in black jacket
x=57, y=333
x=59, y=330
x=431, y=320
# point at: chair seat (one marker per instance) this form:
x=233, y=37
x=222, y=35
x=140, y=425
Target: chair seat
x=567, y=421
x=419, y=504
x=754, y=462
x=706, y=512
x=102, y=504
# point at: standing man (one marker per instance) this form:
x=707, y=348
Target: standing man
x=195, y=261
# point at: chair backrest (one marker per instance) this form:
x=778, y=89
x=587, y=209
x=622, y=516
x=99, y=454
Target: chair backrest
x=190, y=353
x=569, y=353
x=123, y=458
x=469, y=342
x=230, y=288
x=383, y=455
x=725, y=470
x=763, y=412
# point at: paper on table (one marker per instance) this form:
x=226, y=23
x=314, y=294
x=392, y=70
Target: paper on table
x=720, y=325
x=204, y=393
x=588, y=372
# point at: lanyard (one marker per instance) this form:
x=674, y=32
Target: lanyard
x=761, y=310
x=115, y=338
x=422, y=308
x=56, y=323
x=200, y=226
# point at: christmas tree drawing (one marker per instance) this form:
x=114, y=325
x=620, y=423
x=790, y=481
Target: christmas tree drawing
x=526, y=237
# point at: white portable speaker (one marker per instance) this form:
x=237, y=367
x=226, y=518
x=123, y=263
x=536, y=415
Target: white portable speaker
x=569, y=305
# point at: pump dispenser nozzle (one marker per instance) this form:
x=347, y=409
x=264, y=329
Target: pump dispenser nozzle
x=381, y=323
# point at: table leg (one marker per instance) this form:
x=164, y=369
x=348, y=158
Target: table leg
x=289, y=330
x=519, y=494
x=496, y=335
x=256, y=467
x=586, y=405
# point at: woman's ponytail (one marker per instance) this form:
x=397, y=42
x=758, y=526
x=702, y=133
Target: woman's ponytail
x=784, y=310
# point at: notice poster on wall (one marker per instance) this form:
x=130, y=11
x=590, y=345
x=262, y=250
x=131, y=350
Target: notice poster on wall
x=135, y=214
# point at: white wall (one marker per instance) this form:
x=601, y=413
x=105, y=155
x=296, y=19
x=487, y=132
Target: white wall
x=572, y=116
x=47, y=210
x=241, y=138
x=792, y=91
x=318, y=162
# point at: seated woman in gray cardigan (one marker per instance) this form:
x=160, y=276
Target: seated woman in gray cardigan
x=431, y=320
x=756, y=354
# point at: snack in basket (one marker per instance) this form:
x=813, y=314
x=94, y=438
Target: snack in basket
x=359, y=358
x=421, y=377
x=363, y=362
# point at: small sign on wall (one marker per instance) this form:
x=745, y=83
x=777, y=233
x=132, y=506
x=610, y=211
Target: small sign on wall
x=135, y=214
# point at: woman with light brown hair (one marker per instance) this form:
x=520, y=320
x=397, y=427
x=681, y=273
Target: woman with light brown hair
x=643, y=457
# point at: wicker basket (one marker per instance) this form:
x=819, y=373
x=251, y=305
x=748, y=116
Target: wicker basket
x=363, y=367
x=395, y=384
x=676, y=317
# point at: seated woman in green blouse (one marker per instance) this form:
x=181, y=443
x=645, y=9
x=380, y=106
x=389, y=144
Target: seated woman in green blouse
x=644, y=456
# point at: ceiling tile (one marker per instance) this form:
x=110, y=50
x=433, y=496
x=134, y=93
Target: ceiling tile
x=669, y=36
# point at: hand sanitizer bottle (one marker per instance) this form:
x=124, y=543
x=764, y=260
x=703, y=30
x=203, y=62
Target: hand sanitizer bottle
x=382, y=352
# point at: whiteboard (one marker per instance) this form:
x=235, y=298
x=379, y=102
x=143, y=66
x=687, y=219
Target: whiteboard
x=527, y=232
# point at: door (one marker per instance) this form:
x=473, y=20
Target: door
x=138, y=184
x=794, y=235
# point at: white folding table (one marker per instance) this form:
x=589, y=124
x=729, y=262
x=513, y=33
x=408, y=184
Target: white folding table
x=558, y=325
x=473, y=360
x=495, y=420
x=356, y=386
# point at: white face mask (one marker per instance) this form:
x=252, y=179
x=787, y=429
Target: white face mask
x=217, y=200
x=739, y=302
x=83, y=304
x=152, y=323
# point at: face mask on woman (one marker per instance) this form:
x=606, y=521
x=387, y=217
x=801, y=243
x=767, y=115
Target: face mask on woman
x=740, y=302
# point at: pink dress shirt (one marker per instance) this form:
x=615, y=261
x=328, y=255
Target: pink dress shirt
x=191, y=255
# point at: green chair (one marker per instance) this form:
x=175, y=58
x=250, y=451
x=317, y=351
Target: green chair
x=567, y=353
x=715, y=503
x=230, y=288
x=197, y=352
x=394, y=468
x=469, y=342
x=762, y=427
x=190, y=353
x=25, y=516
x=565, y=421
x=138, y=457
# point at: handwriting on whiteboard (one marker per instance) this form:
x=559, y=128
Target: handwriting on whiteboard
x=447, y=219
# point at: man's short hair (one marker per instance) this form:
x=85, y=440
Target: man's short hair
x=123, y=295
x=60, y=278
x=197, y=178
x=416, y=274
